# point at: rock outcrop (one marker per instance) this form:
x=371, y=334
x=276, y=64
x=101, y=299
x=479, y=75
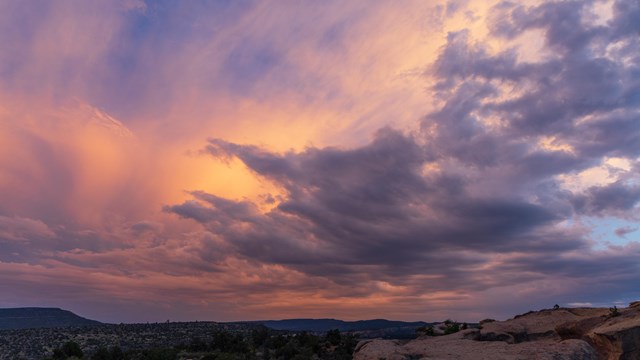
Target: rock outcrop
x=558, y=334
x=613, y=337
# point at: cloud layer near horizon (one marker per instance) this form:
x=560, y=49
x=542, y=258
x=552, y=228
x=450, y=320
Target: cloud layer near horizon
x=475, y=198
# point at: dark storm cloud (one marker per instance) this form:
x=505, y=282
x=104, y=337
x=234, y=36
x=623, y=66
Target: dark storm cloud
x=562, y=21
x=475, y=184
x=617, y=264
x=372, y=208
x=614, y=135
x=606, y=200
x=626, y=14
x=143, y=227
x=582, y=96
x=30, y=240
x=579, y=80
x=18, y=235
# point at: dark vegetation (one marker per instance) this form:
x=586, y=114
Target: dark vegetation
x=260, y=343
x=446, y=328
x=613, y=311
x=70, y=350
x=51, y=333
x=323, y=325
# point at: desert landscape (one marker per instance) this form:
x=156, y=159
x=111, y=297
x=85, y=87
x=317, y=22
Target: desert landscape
x=550, y=334
x=319, y=180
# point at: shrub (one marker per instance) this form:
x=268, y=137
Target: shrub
x=613, y=311
x=70, y=349
x=426, y=330
x=333, y=337
x=452, y=328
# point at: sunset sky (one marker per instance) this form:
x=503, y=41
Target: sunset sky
x=242, y=160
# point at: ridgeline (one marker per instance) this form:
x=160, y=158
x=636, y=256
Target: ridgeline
x=35, y=317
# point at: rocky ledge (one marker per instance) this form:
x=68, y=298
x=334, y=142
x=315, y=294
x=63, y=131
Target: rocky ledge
x=558, y=334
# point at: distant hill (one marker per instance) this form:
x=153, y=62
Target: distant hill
x=320, y=325
x=35, y=317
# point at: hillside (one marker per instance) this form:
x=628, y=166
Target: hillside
x=34, y=317
x=322, y=325
x=365, y=329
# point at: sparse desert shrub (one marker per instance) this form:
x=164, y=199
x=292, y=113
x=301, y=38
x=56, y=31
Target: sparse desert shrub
x=556, y=307
x=101, y=354
x=412, y=357
x=426, y=330
x=452, y=328
x=160, y=354
x=70, y=349
x=613, y=311
x=333, y=337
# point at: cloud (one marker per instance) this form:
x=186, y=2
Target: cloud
x=623, y=231
x=26, y=240
x=453, y=6
x=359, y=163
x=497, y=110
x=373, y=207
x=472, y=201
x=143, y=227
x=616, y=198
x=22, y=229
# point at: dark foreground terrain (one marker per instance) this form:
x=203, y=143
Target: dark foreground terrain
x=364, y=329
x=549, y=334
x=52, y=333
x=173, y=341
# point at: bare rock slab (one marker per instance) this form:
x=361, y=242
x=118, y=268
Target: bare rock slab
x=553, y=334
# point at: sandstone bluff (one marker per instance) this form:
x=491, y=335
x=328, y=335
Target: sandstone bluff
x=553, y=334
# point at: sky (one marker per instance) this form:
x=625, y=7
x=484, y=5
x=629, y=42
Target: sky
x=243, y=160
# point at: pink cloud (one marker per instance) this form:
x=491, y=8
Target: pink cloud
x=306, y=208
